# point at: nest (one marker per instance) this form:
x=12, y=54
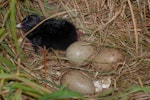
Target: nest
x=121, y=24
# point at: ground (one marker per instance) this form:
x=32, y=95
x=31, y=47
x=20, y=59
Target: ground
x=119, y=24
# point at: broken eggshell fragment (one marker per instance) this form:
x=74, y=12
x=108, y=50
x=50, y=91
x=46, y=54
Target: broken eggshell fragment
x=101, y=84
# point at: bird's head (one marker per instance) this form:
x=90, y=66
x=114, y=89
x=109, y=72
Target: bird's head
x=29, y=22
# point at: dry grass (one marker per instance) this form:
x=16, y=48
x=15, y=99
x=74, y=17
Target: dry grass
x=121, y=24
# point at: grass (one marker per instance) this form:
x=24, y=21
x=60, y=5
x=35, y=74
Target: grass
x=104, y=23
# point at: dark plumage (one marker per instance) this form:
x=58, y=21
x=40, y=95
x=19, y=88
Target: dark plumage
x=53, y=33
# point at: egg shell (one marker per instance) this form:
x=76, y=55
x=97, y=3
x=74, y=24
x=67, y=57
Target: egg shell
x=79, y=53
x=107, y=59
x=76, y=81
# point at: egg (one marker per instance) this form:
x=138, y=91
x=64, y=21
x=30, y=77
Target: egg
x=76, y=81
x=79, y=53
x=107, y=59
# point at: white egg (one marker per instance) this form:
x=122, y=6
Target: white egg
x=79, y=53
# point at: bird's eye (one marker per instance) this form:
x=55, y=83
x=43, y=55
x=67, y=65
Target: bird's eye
x=25, y=19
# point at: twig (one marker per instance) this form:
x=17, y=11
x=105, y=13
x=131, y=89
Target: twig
x=45, y=68
x=135, y=28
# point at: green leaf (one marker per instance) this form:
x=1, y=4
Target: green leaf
x=8, y=49
x=13, y=25
x=17, y=95
x=62, y=94
x=41, y=90
x=138, y=89
x=8, y=63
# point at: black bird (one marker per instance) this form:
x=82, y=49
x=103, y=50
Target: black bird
x=53, y=33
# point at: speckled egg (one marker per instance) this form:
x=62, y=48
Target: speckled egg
x=79, y=53
x=76, y=81
x=107, y=59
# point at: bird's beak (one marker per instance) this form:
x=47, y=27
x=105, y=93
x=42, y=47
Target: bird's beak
x=19, y=25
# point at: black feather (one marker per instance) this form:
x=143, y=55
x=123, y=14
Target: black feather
x=53, y=33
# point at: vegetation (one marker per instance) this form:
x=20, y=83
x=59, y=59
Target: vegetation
x=121, y=24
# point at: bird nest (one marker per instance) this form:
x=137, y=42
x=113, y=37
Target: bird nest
x=120, y=24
